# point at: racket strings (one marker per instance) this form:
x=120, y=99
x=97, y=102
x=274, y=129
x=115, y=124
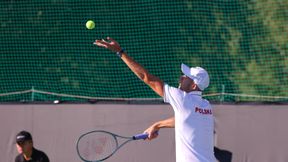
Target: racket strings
x=96, y=146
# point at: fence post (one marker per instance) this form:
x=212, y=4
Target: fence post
x=32, y=94
x=222, y=99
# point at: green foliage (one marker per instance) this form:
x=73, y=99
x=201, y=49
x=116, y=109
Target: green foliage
x=242, y=44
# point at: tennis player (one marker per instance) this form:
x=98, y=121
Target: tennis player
x=193, y=118
x=27, y=153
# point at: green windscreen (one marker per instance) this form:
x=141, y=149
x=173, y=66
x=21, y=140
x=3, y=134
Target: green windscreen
x=48, y=54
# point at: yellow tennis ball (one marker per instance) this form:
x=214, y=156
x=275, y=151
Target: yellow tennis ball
x=90, y=24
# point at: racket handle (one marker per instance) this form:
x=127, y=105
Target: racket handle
x=142, y=136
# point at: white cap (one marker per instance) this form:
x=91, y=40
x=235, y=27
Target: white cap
x=197, y=74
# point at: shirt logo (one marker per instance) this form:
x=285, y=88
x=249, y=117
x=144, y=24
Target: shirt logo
x=203, y=111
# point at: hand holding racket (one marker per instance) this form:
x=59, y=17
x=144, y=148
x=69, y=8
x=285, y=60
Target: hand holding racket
x=99, y=145
x=152, y=131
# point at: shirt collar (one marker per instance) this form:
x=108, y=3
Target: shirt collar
x=198, y=93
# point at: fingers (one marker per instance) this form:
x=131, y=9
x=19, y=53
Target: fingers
x=101, y=43
x=111, y=39
x=152, y=136
x=111, y=44
x=152, y=133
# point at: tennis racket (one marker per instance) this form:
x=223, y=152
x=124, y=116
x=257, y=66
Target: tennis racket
x=99, y=145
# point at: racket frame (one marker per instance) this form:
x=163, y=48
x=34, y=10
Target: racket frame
x=115, y=137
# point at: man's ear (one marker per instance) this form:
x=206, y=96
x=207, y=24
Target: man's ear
x=195, y=87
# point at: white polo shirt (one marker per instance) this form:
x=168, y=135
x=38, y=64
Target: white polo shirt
x=194, y=125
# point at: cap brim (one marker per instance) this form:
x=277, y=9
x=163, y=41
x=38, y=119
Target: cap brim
x=186, y=70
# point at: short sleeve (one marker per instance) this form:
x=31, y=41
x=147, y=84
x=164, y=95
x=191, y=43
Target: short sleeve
x=173, y=96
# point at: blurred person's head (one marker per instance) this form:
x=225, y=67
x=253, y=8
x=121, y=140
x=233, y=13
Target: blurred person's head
x=24, y=143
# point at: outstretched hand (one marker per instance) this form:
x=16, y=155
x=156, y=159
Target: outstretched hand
x=111, y=44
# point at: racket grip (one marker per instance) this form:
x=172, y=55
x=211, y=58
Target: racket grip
x=142, y=136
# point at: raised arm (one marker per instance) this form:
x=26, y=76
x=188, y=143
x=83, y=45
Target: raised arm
x=152, y=81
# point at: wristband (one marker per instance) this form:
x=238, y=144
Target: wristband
x=120, y=52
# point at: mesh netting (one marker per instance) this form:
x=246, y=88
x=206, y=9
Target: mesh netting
x=47, y=53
